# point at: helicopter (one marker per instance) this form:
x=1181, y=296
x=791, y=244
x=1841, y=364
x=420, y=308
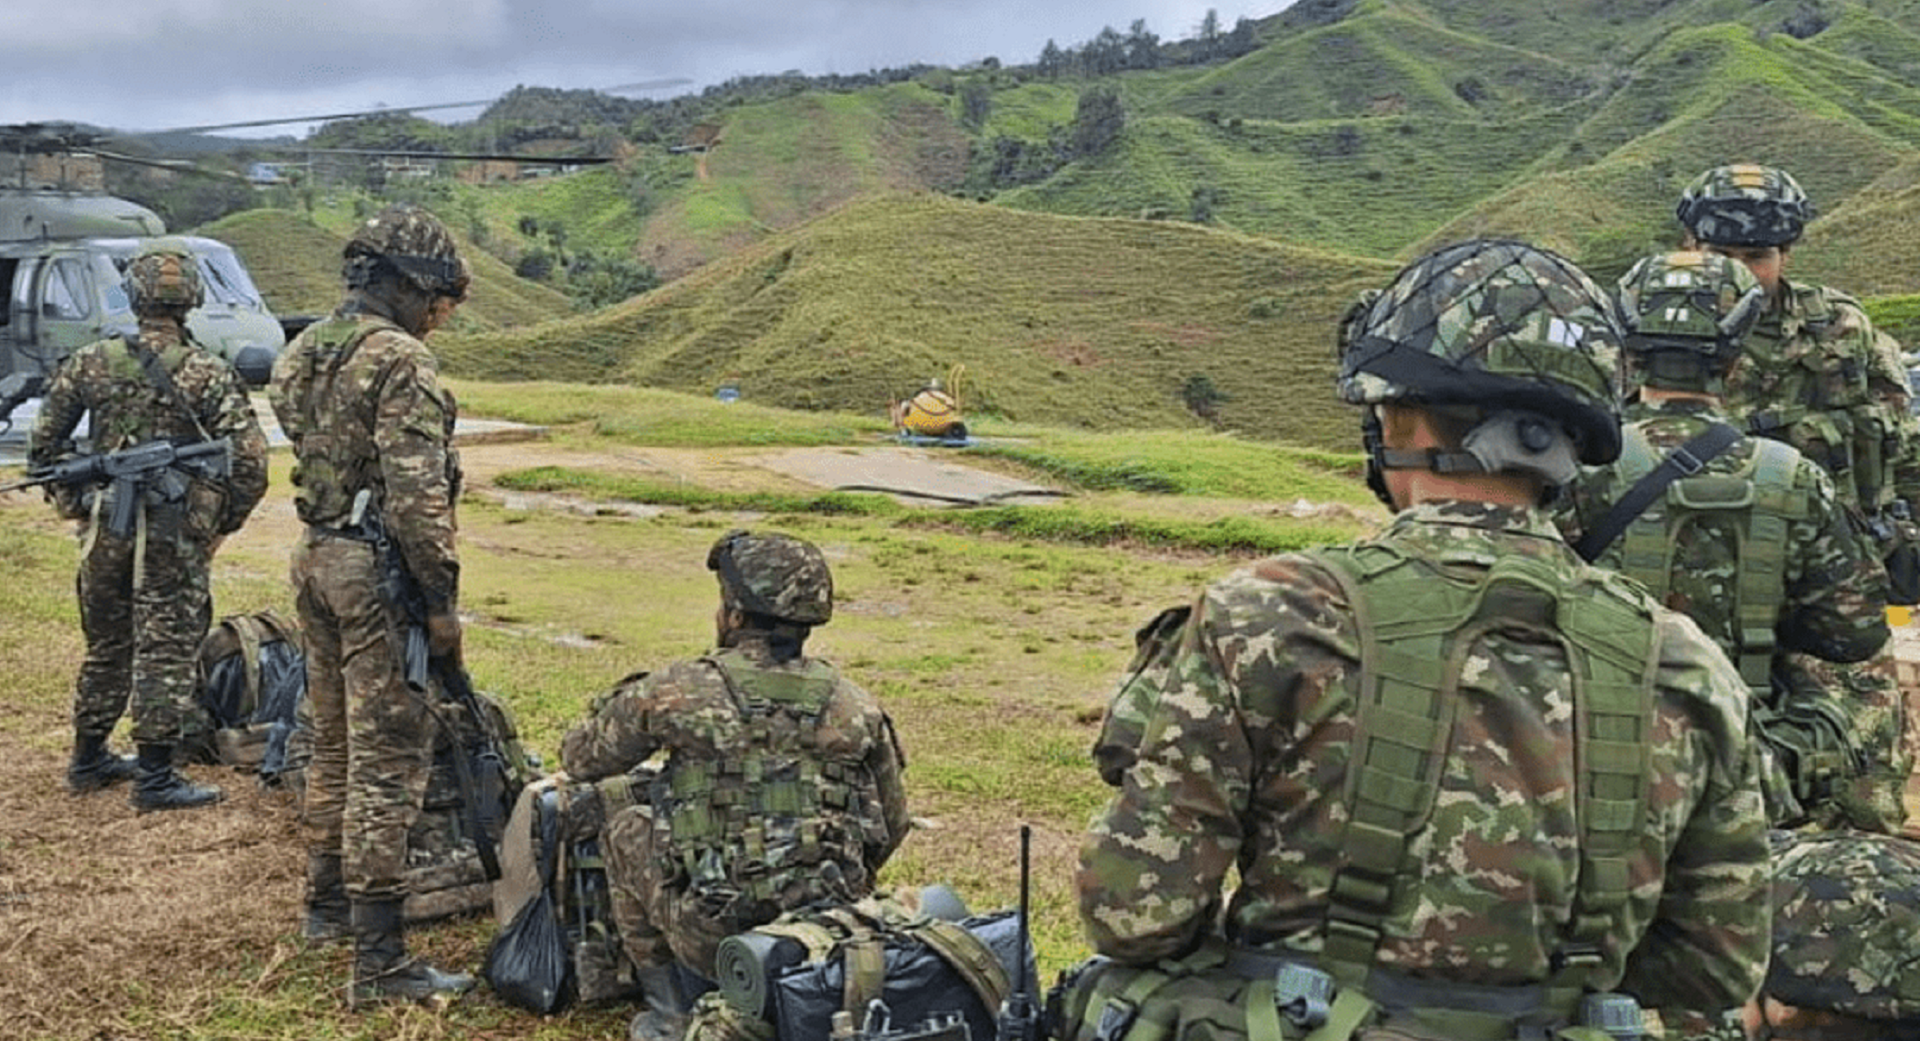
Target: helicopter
x=64, y=246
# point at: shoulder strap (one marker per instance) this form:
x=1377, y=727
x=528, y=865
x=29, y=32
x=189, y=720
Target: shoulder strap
x=972, y=959
x=162, y=381
x=1684, y=461
x=1761, y=584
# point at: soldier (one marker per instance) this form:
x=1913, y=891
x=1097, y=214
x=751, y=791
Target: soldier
x=145, y=603
x=1817, y=375
x=781, y=785
x=1471, y=786
x=359, y=396
x=1742, y=534
x=1844, y=967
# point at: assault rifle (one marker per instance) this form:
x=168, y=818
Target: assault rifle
x=1019, y=1020
x=156, y=466
x=481, y=763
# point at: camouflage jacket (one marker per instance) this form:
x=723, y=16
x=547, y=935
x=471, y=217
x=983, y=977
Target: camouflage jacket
x=688, y=710
x=1832, y=589
x=107, y=382
x=1817, y=375
x=361, y=401
x=1246, y=732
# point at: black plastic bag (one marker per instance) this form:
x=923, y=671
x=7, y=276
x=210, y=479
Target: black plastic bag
x=528, y=964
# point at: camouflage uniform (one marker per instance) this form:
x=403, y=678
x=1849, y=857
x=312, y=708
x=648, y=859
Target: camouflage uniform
x=780, y=785
x=145, y=602
x=1818, y=376
x=1244, y=756
x=1237, y=744
x=1846, y=910
x=695, y=712
x=360, y=399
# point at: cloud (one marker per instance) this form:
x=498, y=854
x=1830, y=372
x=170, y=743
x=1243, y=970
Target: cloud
x=153, y=64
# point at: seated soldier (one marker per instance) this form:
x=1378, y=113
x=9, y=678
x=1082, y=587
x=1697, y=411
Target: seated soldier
x=778, y=779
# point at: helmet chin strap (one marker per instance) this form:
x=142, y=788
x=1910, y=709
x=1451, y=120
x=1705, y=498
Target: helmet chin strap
x=1506, y=442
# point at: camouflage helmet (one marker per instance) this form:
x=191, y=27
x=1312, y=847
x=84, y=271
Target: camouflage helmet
x=1686, y=315
x=1494, y=324
x=1745, y=205
x=775, y=575
x=1846, y=907
x=164, y=278
x=415, y=243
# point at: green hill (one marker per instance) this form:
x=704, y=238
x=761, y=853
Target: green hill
x=296, y=264
x=1199, y=240
x=1094, y=323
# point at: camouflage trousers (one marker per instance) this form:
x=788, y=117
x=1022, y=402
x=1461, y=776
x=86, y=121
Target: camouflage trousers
x=142, y=636
x=643, y=905
x=1881, y=737
x=372, y=738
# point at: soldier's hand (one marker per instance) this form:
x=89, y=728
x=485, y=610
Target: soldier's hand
x=443, y=635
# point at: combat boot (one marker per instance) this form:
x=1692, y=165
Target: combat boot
x=94, y=767
x=665, y=1017
x=382, y=970
x=329, y=915
x=158, y=786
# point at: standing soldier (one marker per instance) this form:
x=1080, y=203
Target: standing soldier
x=780, y=788
x=1471, y=786
x=1817, y=375
x=145, y=603
x=359, y=396
x=1742, y=534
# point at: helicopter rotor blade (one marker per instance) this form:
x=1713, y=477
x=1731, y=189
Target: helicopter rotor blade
x=643, y=85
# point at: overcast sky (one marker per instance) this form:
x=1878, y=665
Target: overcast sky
x=160, y=64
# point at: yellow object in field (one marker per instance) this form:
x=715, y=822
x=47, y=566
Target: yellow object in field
x=1899, y=616
x=934, y=411
x=930, y=413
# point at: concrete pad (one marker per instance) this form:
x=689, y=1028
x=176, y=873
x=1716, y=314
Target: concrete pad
x=916, y=476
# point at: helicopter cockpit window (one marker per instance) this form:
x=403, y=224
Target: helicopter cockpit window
x=65, y=295
x=226, y=279
x=113, y=278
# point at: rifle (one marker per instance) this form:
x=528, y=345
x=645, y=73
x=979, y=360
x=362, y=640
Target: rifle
x=131, y=471
x=1019, y=1020
x=480, y=763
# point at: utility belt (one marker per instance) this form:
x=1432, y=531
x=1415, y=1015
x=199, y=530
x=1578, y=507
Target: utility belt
x=1236, y=994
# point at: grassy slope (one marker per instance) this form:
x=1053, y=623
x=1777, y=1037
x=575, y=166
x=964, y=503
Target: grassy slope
x=1086, y=322
x=296, y=264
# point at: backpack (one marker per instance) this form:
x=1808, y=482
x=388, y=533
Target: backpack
x=252, y=682
x=913, y=961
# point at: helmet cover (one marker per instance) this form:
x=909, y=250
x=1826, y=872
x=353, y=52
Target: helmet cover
x=1745, y=204
x=1496, y=325
x=775, y=575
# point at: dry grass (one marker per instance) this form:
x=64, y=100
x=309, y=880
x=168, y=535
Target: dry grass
x=993, y=654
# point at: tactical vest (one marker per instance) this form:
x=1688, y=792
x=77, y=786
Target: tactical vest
x=773, y=817
x=1418, y=621
x=328, y=468
x=1761, y=501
